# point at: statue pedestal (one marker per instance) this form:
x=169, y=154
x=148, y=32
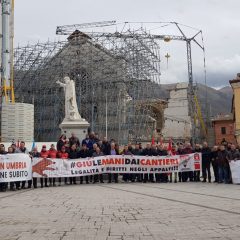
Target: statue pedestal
x=78, y=126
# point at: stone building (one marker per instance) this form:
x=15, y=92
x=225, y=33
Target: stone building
x=177, y=120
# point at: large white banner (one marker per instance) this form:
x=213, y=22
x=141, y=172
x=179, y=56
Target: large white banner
x=235, y=170
x=15, y=167
x=20, y=167
x=46, y=167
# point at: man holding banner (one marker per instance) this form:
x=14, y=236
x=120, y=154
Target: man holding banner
x=223, y=165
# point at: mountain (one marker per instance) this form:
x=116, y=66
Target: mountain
x=214, y=101
x=211, y=100
x=226, y=90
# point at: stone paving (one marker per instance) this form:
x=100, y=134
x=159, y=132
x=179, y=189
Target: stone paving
x=122, y=211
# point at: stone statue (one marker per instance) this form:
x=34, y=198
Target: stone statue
x=71, y=109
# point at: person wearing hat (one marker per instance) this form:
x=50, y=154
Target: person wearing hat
x=44, y=154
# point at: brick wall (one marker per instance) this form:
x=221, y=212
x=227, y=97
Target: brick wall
x=224, y=125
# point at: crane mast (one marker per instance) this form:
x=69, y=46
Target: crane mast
x=7, y=24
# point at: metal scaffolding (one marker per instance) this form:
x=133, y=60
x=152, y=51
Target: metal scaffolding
x=113, y=73
x=117, y=76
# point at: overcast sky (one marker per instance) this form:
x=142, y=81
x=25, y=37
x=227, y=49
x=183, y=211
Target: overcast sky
x=36, y=20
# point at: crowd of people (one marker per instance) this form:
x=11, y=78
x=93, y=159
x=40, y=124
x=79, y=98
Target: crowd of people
x=217, y=157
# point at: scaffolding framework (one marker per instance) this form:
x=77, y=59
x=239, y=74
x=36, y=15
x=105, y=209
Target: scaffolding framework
x=113, y=74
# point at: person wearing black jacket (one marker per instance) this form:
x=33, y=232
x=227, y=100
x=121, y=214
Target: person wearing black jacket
x=73, y=154
x=84, y=153
x=214, y=160
x=61, y=142
x=161, y=177
x=233, y=154
x=105, y=147
x=222, y=165
x=126, y=176
x=91, y=152
x=132, y=176
x=149, y=151
x=74, y=140
x=206, y=160
x=138, y=152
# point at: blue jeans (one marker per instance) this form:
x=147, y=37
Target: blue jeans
x=223, y=174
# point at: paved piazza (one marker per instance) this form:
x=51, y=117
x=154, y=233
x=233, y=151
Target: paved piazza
x=122, y=211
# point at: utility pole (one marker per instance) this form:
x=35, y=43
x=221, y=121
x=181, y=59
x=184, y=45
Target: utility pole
x=7, y=51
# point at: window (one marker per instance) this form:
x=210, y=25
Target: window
x=223, y=130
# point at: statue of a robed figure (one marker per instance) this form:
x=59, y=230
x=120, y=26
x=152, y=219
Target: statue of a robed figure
x=71, y=108
x=72, y=122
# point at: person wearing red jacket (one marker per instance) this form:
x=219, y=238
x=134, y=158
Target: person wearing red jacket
x=52, y=153
x=44, y=154
x=63, y=155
